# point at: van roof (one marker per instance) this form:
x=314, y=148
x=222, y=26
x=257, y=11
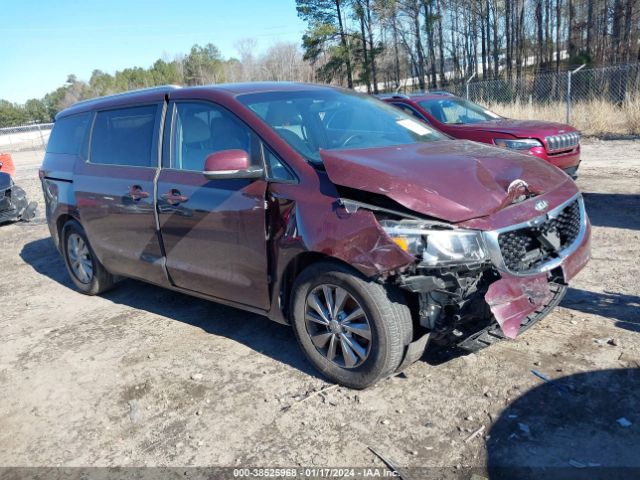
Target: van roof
x=154, y=94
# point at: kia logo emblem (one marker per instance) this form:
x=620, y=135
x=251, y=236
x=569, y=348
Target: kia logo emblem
x=541, y=205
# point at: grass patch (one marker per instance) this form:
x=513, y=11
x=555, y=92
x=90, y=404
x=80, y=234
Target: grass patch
x=595, y=117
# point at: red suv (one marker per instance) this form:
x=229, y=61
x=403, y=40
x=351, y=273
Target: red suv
x=555, y=143
x=369, y=232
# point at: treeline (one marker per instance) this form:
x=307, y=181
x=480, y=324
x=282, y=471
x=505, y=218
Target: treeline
x=374, y=42
x=203, y=65
x=389, y=44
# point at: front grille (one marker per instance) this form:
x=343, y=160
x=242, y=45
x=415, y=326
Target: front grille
x=529, y=247
x=565, y=141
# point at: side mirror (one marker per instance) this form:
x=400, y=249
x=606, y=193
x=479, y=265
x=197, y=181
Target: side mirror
x=230, y=164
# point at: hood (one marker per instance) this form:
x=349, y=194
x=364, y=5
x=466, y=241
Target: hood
x=523, y=128
x=452, y=180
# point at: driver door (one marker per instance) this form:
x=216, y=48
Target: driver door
x=213, y=231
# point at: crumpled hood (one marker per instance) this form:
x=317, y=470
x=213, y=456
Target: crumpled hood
x=523, y=128
x=453, y=180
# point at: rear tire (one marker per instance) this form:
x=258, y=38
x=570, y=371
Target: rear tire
x=87, y=273
x=360, y=334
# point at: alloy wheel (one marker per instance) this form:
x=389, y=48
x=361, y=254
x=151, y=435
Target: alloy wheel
x=338, y=326
x=79, y=258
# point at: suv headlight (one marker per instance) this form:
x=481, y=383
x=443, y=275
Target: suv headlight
x=437, y=247
x=517, y=144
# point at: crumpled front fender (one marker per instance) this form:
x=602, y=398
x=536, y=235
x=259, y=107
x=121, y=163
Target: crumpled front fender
x=355, y=238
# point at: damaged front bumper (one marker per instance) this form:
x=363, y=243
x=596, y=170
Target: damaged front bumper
x=562, y=250
x=473, y=306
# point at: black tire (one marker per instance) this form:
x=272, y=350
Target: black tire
x=100, y=279
x=389, y=318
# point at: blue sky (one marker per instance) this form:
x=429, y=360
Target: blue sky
x=44, y=41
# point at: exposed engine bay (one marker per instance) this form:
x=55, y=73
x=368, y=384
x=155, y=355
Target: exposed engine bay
x=473, y=306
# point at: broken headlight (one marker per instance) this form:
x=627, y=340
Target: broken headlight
x=437, y=247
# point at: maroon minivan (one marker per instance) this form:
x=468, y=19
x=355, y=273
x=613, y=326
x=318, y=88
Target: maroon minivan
x=556, y=143
x=369, y=232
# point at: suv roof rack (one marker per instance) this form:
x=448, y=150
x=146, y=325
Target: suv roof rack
x=393, y=95
x=413, y=94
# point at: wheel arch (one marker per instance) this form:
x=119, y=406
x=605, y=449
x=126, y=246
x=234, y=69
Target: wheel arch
x=61, y=221
x=294, y=268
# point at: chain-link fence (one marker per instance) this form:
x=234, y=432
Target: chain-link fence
x=25, y=137
x=596, y=100
x=614, y=85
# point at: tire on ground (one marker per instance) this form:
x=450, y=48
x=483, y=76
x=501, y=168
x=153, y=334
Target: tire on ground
x=389, y=318
x=101, y=280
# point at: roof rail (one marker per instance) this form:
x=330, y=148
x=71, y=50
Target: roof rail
x=441, y=92
x=392, y=95
x=159, y=89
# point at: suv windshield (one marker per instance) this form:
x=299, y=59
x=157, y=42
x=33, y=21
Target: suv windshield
x=457, y=111
x=333, y=119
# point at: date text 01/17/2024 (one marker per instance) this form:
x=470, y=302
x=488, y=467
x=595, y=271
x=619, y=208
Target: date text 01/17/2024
x=315, y=472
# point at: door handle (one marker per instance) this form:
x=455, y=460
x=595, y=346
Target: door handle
x=174, y=197
x=136, y=193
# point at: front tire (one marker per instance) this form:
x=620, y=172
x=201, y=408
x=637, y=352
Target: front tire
x=87, y=273
x=352, y=329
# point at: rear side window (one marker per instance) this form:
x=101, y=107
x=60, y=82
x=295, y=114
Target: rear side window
x=124, y=137
x=69, y=134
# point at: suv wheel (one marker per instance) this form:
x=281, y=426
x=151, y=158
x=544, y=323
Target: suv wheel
x=87, y=273
x=351, y=329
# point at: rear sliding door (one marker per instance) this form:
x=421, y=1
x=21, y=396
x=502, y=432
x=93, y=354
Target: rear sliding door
x=114, y=191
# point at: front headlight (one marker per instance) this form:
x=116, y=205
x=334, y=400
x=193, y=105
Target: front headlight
x=437, y=247
x=517, y=144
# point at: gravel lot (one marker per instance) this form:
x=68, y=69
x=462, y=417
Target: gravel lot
x=145, y=376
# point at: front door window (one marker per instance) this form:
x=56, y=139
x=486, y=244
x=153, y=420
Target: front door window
x=201, y=129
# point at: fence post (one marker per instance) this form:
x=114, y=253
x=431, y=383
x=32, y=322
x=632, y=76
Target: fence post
x=41, y=136
x=569, y=97
x=569, y=75
x=470, y=78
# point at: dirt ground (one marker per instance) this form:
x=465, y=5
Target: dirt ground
x=145, y=376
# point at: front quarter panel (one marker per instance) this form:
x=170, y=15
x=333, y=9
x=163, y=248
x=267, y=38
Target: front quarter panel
x=318, y=223
x=303, y=220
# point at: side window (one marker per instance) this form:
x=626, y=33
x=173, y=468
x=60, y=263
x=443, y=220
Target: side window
x=456, y=113
x=69, y=135
x=277, y=170
x=124, y=137
x=435, y=109
x=407, y=109
x=201, y=129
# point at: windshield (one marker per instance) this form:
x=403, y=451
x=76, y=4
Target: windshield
x=457, y=111
x=331, y=119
